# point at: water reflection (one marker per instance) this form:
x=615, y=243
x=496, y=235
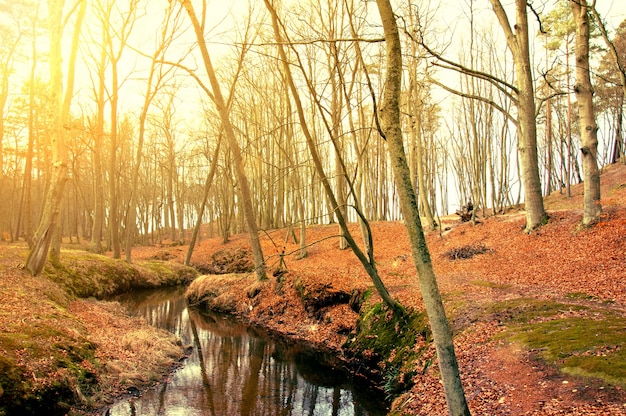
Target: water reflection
x=235, y=370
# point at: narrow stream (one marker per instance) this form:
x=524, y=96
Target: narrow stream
x=237, y=370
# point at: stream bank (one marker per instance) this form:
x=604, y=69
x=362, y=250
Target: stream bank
x=64, y=351
x=347, y=324
x=235, y=368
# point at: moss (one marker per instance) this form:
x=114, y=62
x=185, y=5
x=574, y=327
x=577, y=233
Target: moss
x=580, y=295
x=577, y=339
x=491, y=285
x=12, y=385
x=85, y=274
x=66, y=367
x=394, y=343
x=165, y=273
x=588, y=346
x=526, y=310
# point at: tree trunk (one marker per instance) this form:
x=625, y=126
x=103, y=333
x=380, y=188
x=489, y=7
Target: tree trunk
x=114, y=221
x=518, y=44
x=50, y=214
x=55, y=249
x=98, y=183
x=220, y=104
x=586, y=116
x=207, y=188
x=390, y=121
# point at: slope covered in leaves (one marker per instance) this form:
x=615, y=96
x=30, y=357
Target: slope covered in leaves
x=501, y=288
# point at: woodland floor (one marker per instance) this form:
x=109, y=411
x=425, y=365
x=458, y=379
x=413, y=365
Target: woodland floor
x=559, y=264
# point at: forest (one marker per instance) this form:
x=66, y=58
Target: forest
x=163, y=124
x=142, y=141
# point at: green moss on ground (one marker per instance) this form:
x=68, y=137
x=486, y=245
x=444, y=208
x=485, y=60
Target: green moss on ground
x=391, y=342
x=523, y=310
x=580, y=340
x=84, y=274
x=62, y=369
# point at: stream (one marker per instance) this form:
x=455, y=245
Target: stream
x=235, y=369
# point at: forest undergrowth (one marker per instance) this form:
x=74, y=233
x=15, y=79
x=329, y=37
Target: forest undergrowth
x=538, y=318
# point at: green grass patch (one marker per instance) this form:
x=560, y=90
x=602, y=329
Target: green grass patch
x=391, y=342
x=84, y=274
x=491, y=285
x=580, y=295
x=65, y=366
x=524, y=310
x=577, y=339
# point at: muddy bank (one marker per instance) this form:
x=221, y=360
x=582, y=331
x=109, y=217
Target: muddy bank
x=63, y=350
x=349, y=325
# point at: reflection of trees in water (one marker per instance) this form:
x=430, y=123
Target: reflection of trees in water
x=233, y=371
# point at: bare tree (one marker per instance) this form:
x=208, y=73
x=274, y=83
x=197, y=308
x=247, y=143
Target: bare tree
x=391, y=127
x=157, y=78
x=367, y=260
x=586, y=115
x=50, y=214
x=222, y=108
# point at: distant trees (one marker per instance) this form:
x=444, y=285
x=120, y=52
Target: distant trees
x=142, y=127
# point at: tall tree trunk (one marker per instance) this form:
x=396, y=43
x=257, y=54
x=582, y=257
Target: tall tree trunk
x=586, y=116
x=50, y=214
x=55, y=249
x=25, y=204
x=390, y=122
x=98, y=136
x=114, y=221
x=220, y=104
x=518, y=44
x=207, y=188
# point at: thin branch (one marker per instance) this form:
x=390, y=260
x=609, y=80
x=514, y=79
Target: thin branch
x=192, y=74
x=314, y=41
x=480, y=75
x=532, y=9
x=497, y=82
x=475, y=97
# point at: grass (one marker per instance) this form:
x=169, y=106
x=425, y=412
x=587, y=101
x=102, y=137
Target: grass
x=48, y=359
x=84, y=274
x=579, y=340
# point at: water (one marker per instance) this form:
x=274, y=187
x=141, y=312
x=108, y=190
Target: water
x=237, y=370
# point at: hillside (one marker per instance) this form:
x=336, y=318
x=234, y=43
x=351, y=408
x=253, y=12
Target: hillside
x=538, y=319
x=531, y=313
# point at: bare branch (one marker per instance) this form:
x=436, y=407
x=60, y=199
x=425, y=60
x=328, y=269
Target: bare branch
x=192, y=73
x=475, y=97
x=497, y=82
x=478, y=74
x=314, y=41
x=532, y=9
